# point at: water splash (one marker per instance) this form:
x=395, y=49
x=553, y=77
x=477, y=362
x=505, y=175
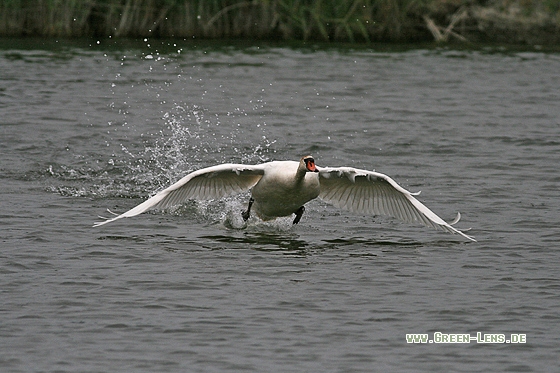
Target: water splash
x=226, y=212
x=189, y=139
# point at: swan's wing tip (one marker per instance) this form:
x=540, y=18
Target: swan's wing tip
x=107, y=220
x=112, y=213
x=463, y=234
x=469, y=237
x=100, y=223
x=456, y=220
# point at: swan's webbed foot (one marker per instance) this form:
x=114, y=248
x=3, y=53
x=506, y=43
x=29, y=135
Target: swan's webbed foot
x=247, y=214
x=299, y=213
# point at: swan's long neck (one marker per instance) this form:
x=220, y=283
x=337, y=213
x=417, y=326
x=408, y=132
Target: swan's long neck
x=300, y=173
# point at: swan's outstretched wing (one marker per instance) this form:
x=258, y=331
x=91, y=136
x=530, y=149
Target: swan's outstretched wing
x=207, y=183
x=371, y=192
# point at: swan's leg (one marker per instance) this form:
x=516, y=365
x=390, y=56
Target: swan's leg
x=299, y=213
x=247, y=214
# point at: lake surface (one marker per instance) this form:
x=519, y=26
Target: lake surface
x=90, y=126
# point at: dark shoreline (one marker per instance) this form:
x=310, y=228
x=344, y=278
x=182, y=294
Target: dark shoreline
x=348, y=21
x=169, y=47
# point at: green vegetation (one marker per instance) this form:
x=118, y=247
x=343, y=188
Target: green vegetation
x=326, y=20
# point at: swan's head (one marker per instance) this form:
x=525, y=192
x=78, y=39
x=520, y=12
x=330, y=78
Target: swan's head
x=309, y=163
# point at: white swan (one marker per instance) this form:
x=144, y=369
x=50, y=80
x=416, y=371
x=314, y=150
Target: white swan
x=282, y=188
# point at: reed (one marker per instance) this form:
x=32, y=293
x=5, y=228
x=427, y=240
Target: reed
x=326, y=20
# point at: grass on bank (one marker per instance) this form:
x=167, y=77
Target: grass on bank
x=326, y=20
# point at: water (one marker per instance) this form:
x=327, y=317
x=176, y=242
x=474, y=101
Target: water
x=89, y=127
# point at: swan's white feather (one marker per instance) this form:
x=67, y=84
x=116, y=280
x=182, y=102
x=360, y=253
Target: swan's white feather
x=370, y=192
x=281, y=188
x=207, y=183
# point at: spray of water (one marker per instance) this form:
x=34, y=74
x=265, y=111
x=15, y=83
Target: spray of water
x=188, y=140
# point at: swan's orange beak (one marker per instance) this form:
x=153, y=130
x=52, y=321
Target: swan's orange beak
x=310, y=164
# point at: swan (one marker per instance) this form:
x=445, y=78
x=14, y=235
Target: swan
x=282, y=188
